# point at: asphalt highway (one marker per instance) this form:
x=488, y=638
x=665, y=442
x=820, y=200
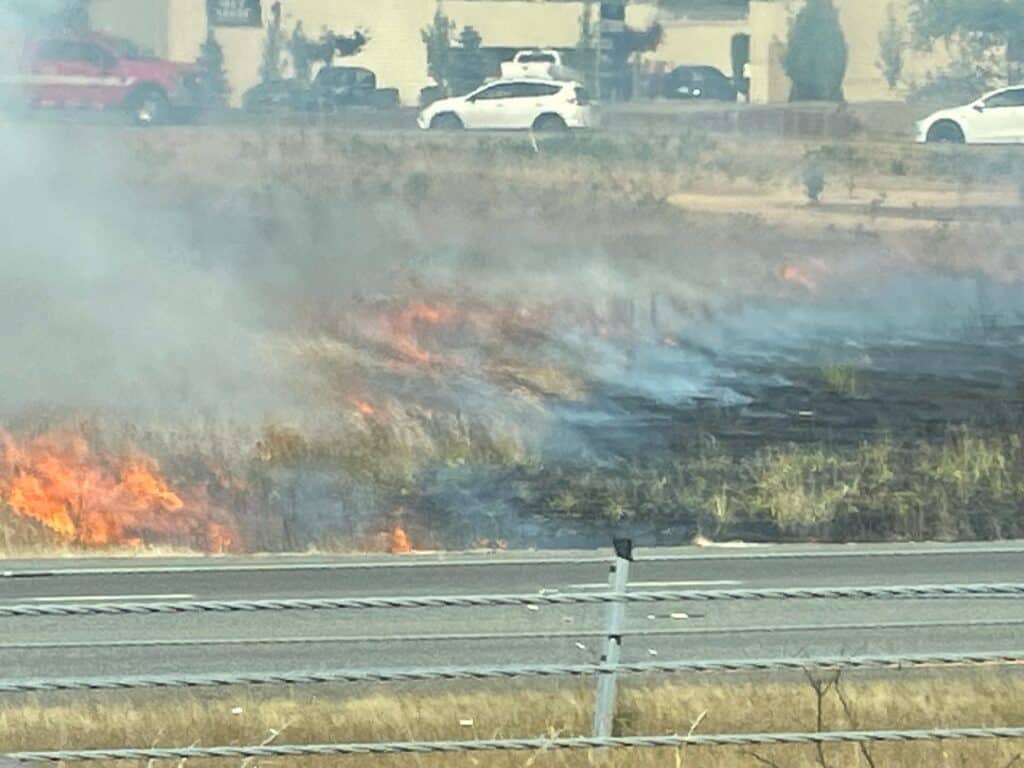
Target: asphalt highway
x=319, y=640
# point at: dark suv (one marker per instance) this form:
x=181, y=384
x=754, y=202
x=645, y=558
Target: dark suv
x=698, y=82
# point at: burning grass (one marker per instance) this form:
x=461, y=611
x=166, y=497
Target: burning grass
x=493, y=342
x=707, y=705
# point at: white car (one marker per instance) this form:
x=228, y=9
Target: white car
x=527, y=103
x=995, y=118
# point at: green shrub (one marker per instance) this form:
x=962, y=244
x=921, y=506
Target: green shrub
x=814, y=180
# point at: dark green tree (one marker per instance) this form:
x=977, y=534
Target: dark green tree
x=468, y=68
x=273, y=43
x=438, y=39
x=816, y=54
x=213, y=81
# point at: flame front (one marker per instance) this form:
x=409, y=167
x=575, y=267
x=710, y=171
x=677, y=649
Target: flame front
x=94, y=500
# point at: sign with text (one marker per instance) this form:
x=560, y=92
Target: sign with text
x=234, y=13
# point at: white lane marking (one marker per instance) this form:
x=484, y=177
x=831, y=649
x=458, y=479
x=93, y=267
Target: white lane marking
x=721, y=583
x=106, y=598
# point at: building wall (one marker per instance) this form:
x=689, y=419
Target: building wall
x=769, y=28
x=699, y=42
x=862, y=22
x=186, y=28
x=142, y=21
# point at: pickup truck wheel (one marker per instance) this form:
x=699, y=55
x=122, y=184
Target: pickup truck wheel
x=550, y=124
x=446, y=121
x=149, y=106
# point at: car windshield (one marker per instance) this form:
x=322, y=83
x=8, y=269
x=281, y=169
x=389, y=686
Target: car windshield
x=377, y=393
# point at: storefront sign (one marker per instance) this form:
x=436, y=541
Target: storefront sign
x=234, y=13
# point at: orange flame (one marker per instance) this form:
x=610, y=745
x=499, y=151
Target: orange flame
x=399, y=540
x=404, y=324
x=56, y=479
x=364, y=407
x=793, y=274
x=808, y=275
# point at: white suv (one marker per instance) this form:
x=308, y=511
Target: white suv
x=543, y=105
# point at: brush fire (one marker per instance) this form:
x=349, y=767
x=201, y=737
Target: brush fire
x=93, y=499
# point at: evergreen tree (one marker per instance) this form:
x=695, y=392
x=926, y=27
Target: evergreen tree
x=270, y=65
x=816, y=55
x=468, y=67
x=213, y=82
x=438, y=40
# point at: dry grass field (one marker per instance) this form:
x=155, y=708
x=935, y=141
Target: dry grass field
x=704, y=705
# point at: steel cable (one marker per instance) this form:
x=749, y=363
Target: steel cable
x=513, y=745
x=510, y=671
x=467, y=601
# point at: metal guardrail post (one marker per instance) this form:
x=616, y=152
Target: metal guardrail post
x=604, y=703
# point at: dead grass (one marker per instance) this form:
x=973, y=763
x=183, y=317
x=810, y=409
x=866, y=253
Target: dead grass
x=906, y=700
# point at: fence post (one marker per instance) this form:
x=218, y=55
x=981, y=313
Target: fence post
x=604, y=704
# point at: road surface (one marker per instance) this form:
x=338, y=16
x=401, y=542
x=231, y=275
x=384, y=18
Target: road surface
x=280, y=642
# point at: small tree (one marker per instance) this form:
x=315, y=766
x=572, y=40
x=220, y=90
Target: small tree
x=468, y=69
x=270, y=64
x=213, y=82
x=816, y=55
x=438, y=40
x=891, y=44
x=305, y=52
x=984, y=36
x=298, y=49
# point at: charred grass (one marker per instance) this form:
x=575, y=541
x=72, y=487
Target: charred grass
x=702, y=705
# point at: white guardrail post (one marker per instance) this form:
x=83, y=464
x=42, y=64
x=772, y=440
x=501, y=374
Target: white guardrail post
x=604, y=702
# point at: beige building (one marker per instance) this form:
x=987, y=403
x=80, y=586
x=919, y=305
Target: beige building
x=862, y=22
x=176, y=29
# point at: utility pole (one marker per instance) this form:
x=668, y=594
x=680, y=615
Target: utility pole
x=604, y=699
x=611, y=27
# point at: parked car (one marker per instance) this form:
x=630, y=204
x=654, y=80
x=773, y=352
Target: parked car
x=544, y=105
x=332, y=89
x=995, y=118
x=277, y=96
x=698, y=82
x=96, y=72
x=542, y=64
x=339, y=87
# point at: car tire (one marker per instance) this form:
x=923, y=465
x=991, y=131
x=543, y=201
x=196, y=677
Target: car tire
x=550, y=124
x=945, y=132
x=149, y=106
x=446, y=121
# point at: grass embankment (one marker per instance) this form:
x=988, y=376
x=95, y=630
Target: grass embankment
x=905, y=700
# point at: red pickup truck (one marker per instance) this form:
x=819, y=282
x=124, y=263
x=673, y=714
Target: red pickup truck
x=95, y=72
